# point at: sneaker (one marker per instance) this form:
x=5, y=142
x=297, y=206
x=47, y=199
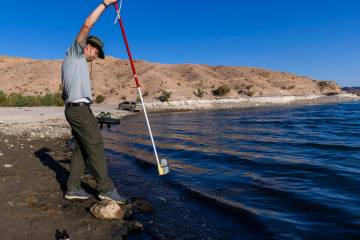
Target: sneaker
x=77, y=194
x=113, y=195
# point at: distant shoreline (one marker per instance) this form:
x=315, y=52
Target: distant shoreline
x=226, y=103
x=49, y=122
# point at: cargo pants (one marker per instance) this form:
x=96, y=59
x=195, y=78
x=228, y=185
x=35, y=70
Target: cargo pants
x=89, y=149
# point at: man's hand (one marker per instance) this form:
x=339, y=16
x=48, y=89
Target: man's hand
x=109, y=2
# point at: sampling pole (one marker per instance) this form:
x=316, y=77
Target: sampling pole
x=162, y=166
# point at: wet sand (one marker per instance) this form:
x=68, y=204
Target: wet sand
x=32, y=179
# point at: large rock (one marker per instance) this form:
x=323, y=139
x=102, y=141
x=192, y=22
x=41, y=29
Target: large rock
x=107, y=210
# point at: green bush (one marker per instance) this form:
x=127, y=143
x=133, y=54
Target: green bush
x=165, y=96
x=199, y=93
x=18, y=100
x=3, y=98
x=250, y=93
x=51, y=100
x=99, y=99
x=221, y=91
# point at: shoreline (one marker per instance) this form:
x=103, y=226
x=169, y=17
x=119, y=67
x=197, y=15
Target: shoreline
x=238, y=103
x=50, y=122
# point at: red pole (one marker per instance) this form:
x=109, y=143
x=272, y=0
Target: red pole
x=128, y=48
x=162, y=166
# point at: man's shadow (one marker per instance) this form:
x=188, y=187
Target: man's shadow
x=62, y=174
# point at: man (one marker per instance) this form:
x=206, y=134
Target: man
x=85, y=129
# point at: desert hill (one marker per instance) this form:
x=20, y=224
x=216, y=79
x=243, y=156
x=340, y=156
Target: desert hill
x=113, y=79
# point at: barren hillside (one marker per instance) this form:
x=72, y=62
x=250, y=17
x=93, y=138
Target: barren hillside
x=113, y=79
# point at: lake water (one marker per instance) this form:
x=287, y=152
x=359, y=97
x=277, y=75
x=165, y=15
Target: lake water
x=259, y=173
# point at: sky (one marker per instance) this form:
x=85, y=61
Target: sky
x=315, y=38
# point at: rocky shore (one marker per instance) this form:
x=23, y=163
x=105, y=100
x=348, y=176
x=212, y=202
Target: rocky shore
x=248, y=102
x=32, y=204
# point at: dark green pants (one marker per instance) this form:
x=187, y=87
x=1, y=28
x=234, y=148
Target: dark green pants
x=89, y=148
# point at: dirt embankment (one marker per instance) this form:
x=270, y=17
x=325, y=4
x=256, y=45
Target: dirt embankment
x=113, y=79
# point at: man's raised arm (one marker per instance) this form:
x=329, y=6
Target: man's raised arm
x=91, y=20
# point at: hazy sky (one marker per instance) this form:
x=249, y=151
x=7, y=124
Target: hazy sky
x=314, y=38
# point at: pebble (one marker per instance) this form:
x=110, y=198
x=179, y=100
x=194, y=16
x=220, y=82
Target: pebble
x=1, y=154
x=8, y=166
x=162, y=199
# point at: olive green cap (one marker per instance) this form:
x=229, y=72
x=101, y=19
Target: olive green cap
x=98, y=44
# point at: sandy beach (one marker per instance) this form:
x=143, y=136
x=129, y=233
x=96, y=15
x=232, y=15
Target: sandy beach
x=34, y=165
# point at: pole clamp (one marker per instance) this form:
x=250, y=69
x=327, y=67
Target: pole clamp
x=118, y=12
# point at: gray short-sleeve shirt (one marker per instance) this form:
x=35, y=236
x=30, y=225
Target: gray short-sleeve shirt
x=75, y=75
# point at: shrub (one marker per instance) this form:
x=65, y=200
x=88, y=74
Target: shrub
x=291, y=87
x=221, y=91
x=3, y=99
x=247, y=92
x=332, y=93
x=250, y=93
x=242, y=92
x=99, y=99
x=18, y=100
x=199, y=93
x=51, y=100
x=165, y=96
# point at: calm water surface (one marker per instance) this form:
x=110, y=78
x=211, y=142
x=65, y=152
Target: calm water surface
x=262, y=173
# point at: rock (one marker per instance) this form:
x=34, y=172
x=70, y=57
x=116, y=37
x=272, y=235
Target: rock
x=31, y=201
x=107, y=210
x=141, y=206
x=58, y=158
x=1, y=154
x=134, y=226
x=8, y=166
x=162, y=199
